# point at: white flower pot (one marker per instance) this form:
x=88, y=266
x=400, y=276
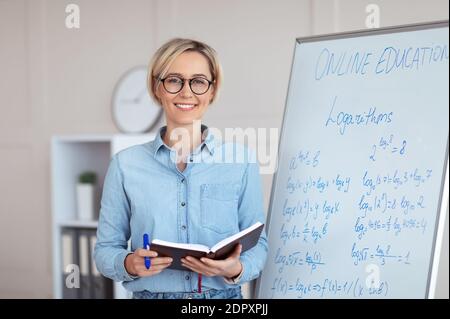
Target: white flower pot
x=85, y=201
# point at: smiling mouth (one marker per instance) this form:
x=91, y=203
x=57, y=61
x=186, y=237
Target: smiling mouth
x=185, y=107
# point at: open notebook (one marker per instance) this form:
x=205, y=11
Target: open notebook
x=248, y=238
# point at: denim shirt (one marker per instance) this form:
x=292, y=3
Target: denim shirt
x=217, y=195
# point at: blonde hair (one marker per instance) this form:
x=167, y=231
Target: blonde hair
x=166, y=54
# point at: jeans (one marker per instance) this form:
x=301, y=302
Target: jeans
x=231, y=293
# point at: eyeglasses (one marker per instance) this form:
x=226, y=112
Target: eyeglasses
x=174, y=84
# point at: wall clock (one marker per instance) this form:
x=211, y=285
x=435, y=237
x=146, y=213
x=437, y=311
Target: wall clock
x=133, y=110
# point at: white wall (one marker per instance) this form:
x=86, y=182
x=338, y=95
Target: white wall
x=60, y=81
x=347, y=15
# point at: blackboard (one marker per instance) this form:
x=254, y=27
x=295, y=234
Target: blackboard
x=357, y=201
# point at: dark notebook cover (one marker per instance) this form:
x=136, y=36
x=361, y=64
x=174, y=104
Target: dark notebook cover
x=247, y=238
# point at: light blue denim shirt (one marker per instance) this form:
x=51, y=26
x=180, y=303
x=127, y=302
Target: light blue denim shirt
x=217, y=195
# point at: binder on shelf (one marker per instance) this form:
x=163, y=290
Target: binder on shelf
x=69, y=263
x=85, y=261
x=77, y=250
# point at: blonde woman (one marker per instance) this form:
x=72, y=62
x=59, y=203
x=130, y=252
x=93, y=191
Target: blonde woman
x=178, y=188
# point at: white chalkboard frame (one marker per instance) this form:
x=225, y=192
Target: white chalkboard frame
x=443, y=207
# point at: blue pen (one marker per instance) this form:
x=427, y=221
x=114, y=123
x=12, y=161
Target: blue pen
x=147, y=260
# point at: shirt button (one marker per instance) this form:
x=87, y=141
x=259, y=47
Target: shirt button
x=182, y=180
x=187, y=277
x=183, y=227
x=183, y=204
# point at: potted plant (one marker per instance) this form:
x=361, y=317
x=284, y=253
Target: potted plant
x=86, y=195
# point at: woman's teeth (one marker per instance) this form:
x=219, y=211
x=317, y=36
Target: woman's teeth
x=185, y=106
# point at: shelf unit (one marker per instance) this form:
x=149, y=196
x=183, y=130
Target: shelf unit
x=71, y=155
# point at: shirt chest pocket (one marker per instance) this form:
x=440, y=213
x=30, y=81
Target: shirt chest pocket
x=219, y=207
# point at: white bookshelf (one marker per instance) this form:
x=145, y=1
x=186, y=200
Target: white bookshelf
x=70, y=156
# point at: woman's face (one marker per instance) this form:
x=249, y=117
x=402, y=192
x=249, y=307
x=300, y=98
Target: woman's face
x=184, y=107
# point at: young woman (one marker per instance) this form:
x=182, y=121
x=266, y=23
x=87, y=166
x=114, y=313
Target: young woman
x=179, y=188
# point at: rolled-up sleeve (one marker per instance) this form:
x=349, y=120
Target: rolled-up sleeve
x=250, y=212
x=113, y=229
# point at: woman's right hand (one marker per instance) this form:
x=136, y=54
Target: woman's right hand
x=135, y=264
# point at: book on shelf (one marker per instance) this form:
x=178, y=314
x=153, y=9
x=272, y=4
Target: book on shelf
x=248, y=238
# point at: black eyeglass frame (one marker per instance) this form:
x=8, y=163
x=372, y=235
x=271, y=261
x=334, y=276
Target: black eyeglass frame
x=183, y=81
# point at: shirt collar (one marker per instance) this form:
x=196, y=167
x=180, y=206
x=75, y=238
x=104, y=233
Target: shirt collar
x=207, y=137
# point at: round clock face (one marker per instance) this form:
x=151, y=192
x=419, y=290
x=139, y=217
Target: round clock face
x=134, y=111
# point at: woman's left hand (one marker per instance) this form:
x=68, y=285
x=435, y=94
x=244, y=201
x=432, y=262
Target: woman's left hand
x=229, y=267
